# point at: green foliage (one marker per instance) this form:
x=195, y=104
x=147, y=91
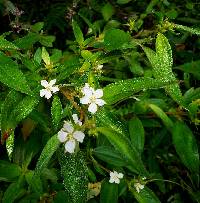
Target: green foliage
x=11, y=75
x=96, y=88
x=74, y=172
x=46, y=154
x=184, y=141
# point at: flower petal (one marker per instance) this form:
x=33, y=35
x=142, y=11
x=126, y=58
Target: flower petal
x=100, y=102
x=52, y=82
x=87, y=90
x=43, y=92
x=54, y=89
x=70, y=146
x=120, y=175
x=85, y=100
x=62, y=136
x=48, y=94
x=68, y=127
x=44, y=83
x=76, y=120
x=92, y=108
x=79, y=136
x=98, y=93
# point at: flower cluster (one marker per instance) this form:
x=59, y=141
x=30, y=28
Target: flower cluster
x=92, y=98
x=70, y=136
x=115, y=177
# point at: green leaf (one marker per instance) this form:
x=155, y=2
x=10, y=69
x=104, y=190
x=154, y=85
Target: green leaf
x=107, y=11
x=186, y=146
x=56, y=111
x=47, y=41
x=34, y=182
x=192, y=30
x=14, y=191
x=9, y=171
x=45, y=56
x=109, y=193
x=24, y=108
x=11, y=76
x=6, y=45
x=48, y=151
x=107, y=119
x=77, y=33
x=123, y=145
x=145, y=196
x=124, y=89
x=109, y=155
x=162, y=62
x=27, y=41
x=37, y=26
x=116, y=39
x=161, y=114
x=11, y=101
x=74, y=172
x=123, y=1
x=136, y=131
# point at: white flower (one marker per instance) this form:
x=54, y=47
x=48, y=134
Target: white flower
x=70, y=137
x=115, y=177
x=76, y=120
x=138, y=186
x=99, y=67
x=49, y=88
x=92, y=97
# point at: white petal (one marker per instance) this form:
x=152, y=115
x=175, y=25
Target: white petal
x=92, y=108
x=120, y=175
x=48, y=94
x=85, y=100
x=45, y=93
x=42, y=92
x=62, y=136
x=44, y=83
x=68, y=127
x=52, y=82
x=76, y=120
x=70, y=146
x=87, y=90
x=98, y=93
x=54, y=89
x=79, y=136
x=100, y=102
x=99, y=67
x=111, y=180
x=117, y=180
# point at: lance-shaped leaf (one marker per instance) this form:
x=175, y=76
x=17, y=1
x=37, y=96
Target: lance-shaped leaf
x=161, y=114
x=124, y=89
x=186, y=146
x=74, y=172
x=123, y=145
x=145, y=195
x=6, y=45
x=77, y=32
x=162, y=62
x=109, y=192
x=11, y=76
x=192, y=30
x=48, y=151
x=56, y=111
x=136, y=131
x=9, y=171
